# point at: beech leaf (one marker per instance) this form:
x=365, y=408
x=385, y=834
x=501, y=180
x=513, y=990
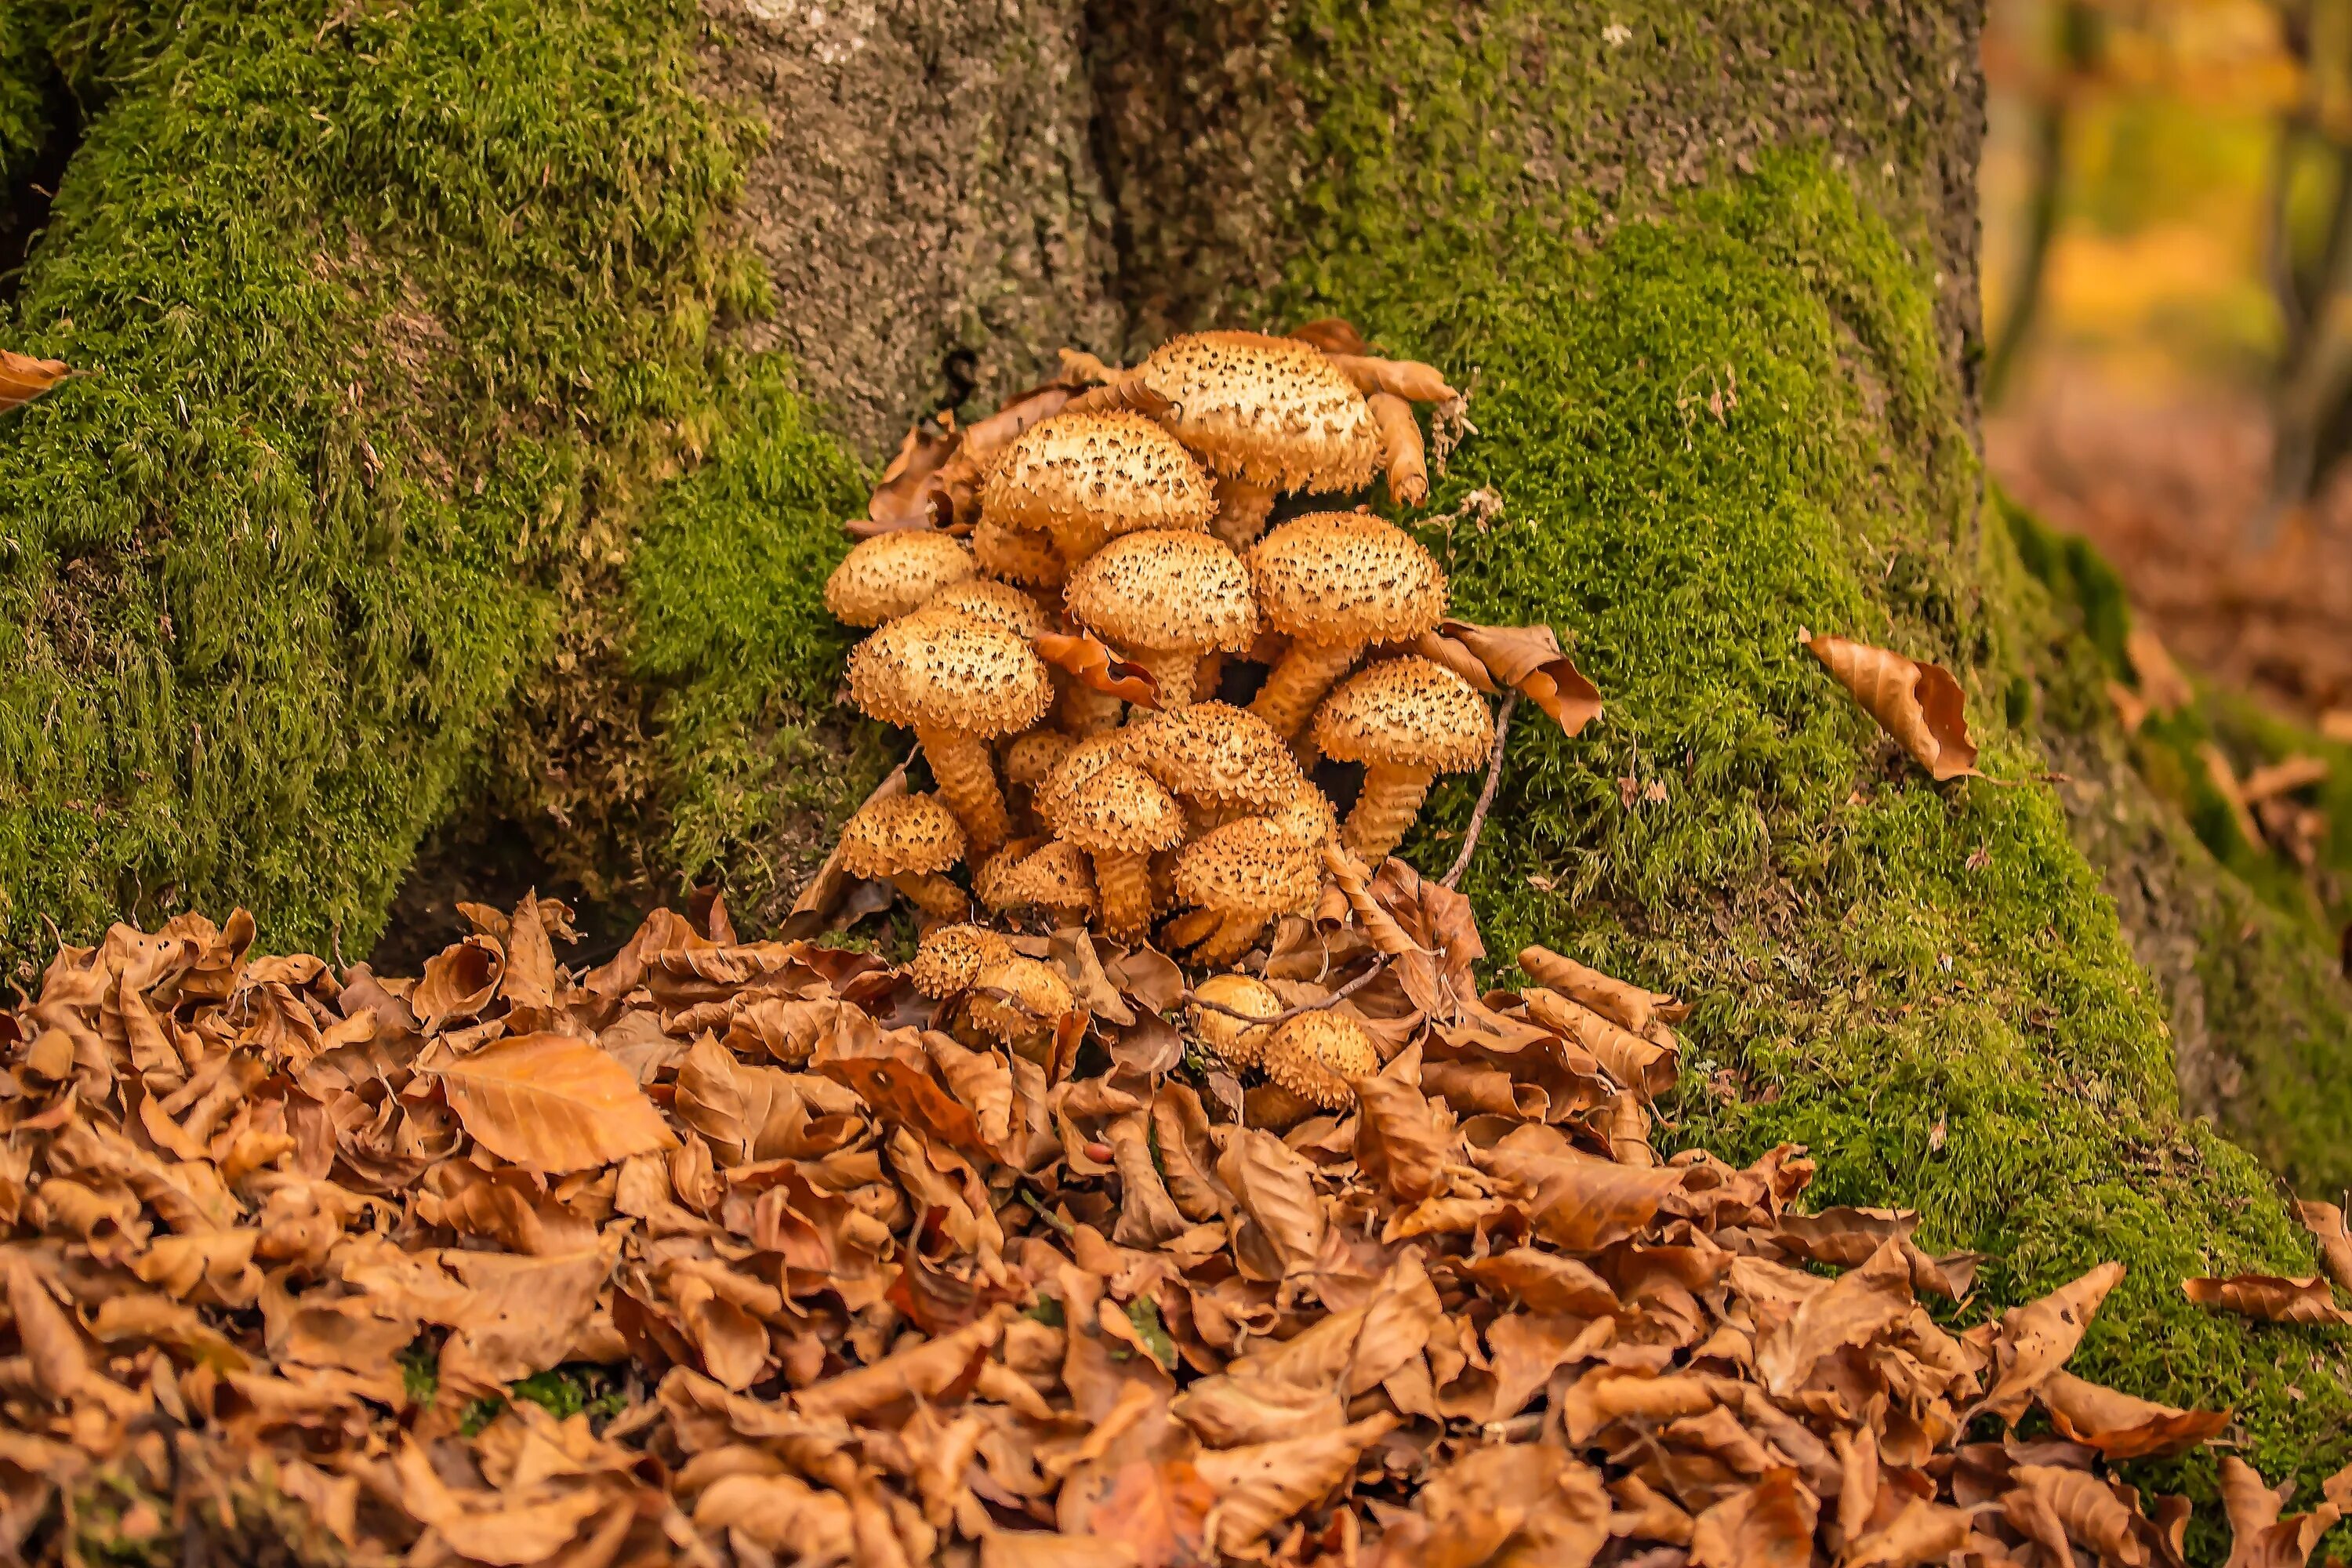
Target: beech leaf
x=1919, y=704
x=1529, y=658
x=22, y=378
x=2270, y=1299
x=552, y=1102
x=1086, y=658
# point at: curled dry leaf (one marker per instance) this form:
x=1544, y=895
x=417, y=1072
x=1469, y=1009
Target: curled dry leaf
x=2121, y=1427
x=2326, y=1223
x=1919, y=704
x=22, y=378
x=2035, y=1340
x=550, y=1102
x=1529, y=658
x=2270, y=1299
x=1086, y=658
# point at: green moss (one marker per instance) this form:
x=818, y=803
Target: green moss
x=1715, y=417
x=388, y=311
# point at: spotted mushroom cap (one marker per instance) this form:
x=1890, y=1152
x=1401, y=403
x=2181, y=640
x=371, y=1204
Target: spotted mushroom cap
x=1030, y=758
x=1120, y=809
x=1238, y=1045
x=1319, y=1056
x=999, y=604
x=1347, y=578
x=888, y=575
x=1248, y=867
x=952, y=957
x=1054, y=876
x=1306, y=818
x=1017, y=556
x=1406, y=712
x=1035, y=996
x=944, y=670
x=1215, y=752
x=907, y=833
x=1274, y=411
x=1165, y=591
x=1088, y=478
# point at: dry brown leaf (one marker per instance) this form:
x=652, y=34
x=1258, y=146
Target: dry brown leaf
x=1924, y=1531
x=1157, y=1512
x=22, y=378
x=1086, y=658
x=1408, y=380
x=1408, y=468
x=552, y=1102
x=2036, y=1339
x=813, y=911
x=1858, y=1306
x=2270, y=1299
x=2121, y=1427
x=2223, y=777
x=53, y=1348
x=2326, y=1223
x=2259, y=1537
x=2282, y=777
x=2162, y=686
x=1261, y=1488
x=1529, y=658
x=1276, y=1189
x=1627, y=1006
x=1917, y=703
x=1767, y=1525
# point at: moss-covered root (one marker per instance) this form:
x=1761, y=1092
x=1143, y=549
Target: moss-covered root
x=1721, y=398
x=389, y=312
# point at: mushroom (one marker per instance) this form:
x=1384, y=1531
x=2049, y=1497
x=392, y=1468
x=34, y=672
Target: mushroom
x=1266, y=415
x=1085, y=479
x=1318, y=1057
x=994, y=604
x=1119, y=815
x=1166, y=598
x=1406, y=719
x=950, y=958
x=1080, y=763
x=1051, y=878
x=1232, y=1042
x=1221, y=759
x=906, y=841
x=1020, y=1001
x=1246, y=872
x=1334, y=583
x=888, y=575
x=1017, y=556
x=958, y=684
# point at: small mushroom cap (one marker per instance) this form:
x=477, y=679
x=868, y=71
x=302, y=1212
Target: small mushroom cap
x=952, y=957
x=1305, y=819
x=944, y=670
x=1274, y=411
x=1029, y=758
x=1089, y=756
x=1095, y=475
x=1247, y=868
x=1347, y=578
x=1165, y=592
x=1027, y=876
x=1120, y=809
x=907, y=833
x=888, y=575
x=1406, y=712
x=1240, y=1046
x=1017, y=556
x=1319, y=1056
x=1215, y=752
x=1035, y=997
x=994, y=604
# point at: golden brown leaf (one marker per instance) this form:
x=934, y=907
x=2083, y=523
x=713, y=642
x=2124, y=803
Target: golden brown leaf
x=1923, y=1533
x=1277, y=1190
x=1919, y=704
x=1156, y=1513
x=1408, y=468
x=2036, y=1339
x=1261, y=1488
x=1767, y=1525
x=1086, y=658
x=1858, y=1306
x=2326, y=1223
x=2259, y=1537
x=1529, y=658
x=2121, y=1427
x=53, y=1348
x=2270, y=1299
x=22, y=378
x=1627, y=1006
x=552, y=1102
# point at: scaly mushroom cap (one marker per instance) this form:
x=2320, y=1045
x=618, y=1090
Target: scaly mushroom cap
x=1406, y=712
x=1035, y=997
x=1319, y=1056
x=952, y=957
x=1215, y=752
x=1085, y=478
x=1167, y=592
x=1086, y=758
x=1118, y=810
x=1238, y=1045
x=1029, y=758
x=943, y=670
x=1274, y=411
x=1028, y=559
x=1246, y=868
x=888, y=575
x=993, y=604
x=1025, y=875
x=1347, y=578
x=907, y=833
x=1305, y=819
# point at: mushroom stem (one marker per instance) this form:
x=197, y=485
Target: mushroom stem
x=1391, y=798
x=1085, y=711
x=1174, y=668
x=1235, y=935
x=933, y=894
x=1298, y=682
x=1125, y=883
x=1242, y=511
x=966, y=779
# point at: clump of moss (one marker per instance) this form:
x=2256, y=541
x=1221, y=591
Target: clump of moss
x=1713, y=416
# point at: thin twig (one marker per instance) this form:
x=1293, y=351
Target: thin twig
x=1288, y=1013
x=1486, y=795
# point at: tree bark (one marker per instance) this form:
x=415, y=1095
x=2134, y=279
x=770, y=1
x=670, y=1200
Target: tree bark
x=532, y=508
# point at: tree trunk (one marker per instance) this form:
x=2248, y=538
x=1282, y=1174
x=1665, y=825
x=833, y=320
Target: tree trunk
x=474, y=409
